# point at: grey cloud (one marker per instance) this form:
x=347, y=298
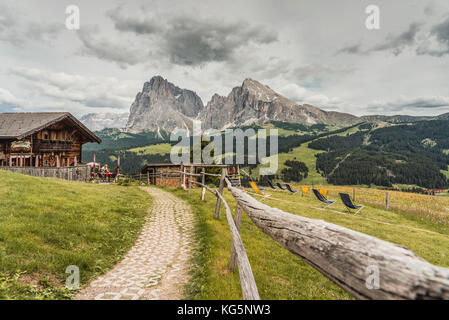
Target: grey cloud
x=316, y=72
x=90, y=91
x=194, y=41
x=109, y=50
x=136, y=24
x=16, y=32
x=441, y=34
x=351, y=49
x=432, y=102
x=398, y=43
x=435, y=43
x=442, y=31
x=395, y=44
x=43, y=31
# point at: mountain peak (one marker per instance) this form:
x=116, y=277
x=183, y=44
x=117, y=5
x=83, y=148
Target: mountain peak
x=155, y=82
x=251, y=83
x=256, y=103
x=259, y=90
x=163, y=106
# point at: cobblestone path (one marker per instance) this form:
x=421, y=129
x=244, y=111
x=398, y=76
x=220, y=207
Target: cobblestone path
x=157, y=266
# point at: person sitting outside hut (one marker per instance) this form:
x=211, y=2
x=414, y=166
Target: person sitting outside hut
x=107, y=173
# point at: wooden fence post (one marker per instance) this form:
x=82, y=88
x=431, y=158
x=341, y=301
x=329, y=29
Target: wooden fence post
x=220, y=190
x=140, y=178
x=148, y=177
x=237, y=220
x=184, y=178
x=203, y=181
x=190, y=180
x=387, y=201
x=181, y=180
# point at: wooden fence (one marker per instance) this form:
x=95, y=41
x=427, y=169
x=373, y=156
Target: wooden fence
x=346, y=257
x=78, y=173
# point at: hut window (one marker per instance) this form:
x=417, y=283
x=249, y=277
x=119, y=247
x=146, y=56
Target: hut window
x=46, y=135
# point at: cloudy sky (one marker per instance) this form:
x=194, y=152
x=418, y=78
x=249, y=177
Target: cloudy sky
x=317, y=52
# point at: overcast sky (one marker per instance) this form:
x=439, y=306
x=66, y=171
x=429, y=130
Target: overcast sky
x=316, y=52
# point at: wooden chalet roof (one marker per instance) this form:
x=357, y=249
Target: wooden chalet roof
x=18, y=125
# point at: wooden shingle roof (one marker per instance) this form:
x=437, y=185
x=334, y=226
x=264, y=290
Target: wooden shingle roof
x=18, y=125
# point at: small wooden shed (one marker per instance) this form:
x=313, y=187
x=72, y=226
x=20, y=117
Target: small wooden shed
x=168, y=174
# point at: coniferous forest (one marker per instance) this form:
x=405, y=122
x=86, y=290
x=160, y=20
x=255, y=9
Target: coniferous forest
x=404, y=154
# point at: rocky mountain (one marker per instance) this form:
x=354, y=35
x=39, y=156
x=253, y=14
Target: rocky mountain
x=99, y=121
x=163, y=106
x=255, y=103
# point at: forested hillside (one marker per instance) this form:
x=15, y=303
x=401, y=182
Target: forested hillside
x=116, y=142
x=411, y=154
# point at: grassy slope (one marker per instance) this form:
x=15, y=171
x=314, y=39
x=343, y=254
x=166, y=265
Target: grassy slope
x=308, y=156
x=49, y=224
x=161, y=148
x=279, y=274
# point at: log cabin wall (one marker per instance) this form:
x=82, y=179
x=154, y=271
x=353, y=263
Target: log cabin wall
x=57, y=145
x=165, y=175
x=57, y=141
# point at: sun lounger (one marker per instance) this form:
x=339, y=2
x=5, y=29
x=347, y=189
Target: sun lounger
x=232, y=184
x=348, y=203
x=257, y=190
x=289, y=188
x=280, y=186
x=323, y=199
x=271, y=185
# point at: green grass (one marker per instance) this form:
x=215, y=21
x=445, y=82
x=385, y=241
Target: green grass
x=445, y=172
x=308, y=156
x=161, y=148
x=49, y=224
x=278, y=273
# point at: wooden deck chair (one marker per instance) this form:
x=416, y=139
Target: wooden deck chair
x=323, y=199
x=257, y=189
x=349, y=204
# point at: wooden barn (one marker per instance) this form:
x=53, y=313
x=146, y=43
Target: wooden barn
x=42, y=139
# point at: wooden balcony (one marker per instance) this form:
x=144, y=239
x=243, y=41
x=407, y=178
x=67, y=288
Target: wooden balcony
x=52, y=145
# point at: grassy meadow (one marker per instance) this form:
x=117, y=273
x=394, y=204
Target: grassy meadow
x=304, y=154
x=281, y=275
x=49, y=224
x=161, y=148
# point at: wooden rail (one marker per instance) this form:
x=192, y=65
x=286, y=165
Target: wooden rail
x=238, y=252
x=348, y=257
